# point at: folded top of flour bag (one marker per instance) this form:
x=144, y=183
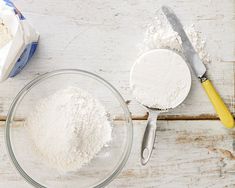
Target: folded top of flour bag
x=18, y=40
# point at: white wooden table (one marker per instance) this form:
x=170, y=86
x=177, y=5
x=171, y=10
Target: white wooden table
x=192, y=149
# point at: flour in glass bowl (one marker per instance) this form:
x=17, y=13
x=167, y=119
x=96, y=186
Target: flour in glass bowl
x=69, y=128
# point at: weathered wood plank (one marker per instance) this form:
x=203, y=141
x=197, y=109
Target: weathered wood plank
x=103, y=37
x=187, y=154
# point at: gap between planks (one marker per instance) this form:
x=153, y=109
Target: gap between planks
x=161, y=117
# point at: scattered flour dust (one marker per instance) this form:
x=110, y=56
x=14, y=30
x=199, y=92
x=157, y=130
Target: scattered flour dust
x=68, y=128
x=159, y=34
x=154, y=82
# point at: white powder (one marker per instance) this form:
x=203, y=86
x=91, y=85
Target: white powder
x=160, y=79
x=68, y=128
x=5, y=35
x=159, y=34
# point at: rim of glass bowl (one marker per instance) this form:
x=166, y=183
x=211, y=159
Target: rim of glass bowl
x=43, y=77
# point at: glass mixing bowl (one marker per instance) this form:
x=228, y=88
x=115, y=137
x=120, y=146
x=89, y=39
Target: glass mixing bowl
x=107, y=163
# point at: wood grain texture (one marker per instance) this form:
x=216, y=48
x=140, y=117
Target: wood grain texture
x=187, y=154
x=103, y=37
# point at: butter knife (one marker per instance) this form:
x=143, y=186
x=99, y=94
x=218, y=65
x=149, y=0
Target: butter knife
x=199, y=69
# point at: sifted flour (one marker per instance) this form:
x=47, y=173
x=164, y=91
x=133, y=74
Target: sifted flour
x=68, y=128
x=160, y=79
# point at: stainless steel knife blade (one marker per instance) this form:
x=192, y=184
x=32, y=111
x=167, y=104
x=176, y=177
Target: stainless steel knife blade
x=188, y=49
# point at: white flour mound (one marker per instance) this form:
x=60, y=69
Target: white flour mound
x=159, y=34
x=160, y=79
x=5, y=35
x=68, y=128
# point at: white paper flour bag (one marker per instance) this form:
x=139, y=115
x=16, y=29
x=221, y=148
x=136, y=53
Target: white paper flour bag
x=18, y=40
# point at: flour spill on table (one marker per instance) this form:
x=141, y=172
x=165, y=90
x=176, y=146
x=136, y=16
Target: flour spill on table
x=162, y=90
x=69, y=128
x=159, y=34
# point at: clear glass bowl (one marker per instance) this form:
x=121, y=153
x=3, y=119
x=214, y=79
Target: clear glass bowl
x=108, y=162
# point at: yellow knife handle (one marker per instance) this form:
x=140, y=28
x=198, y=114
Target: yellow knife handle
x=221, y=109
